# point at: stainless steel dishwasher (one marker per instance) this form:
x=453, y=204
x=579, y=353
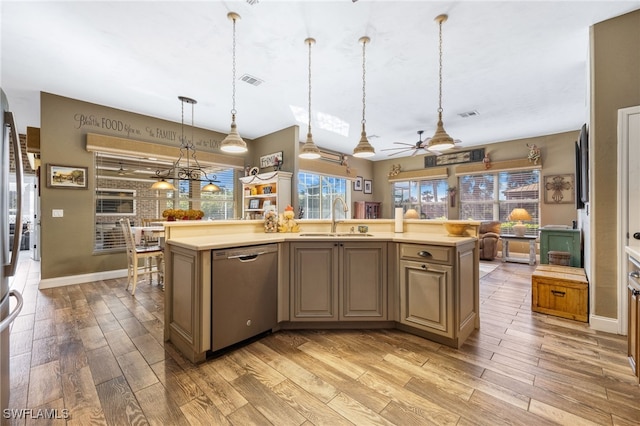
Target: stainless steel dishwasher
x=244, y=295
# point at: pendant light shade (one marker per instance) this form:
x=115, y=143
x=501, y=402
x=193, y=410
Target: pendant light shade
x=364, y=148
x=233, y=142
x=441, y=140
x=163, y=185
x=309, y=150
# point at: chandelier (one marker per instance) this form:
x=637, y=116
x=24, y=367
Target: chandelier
x=364, y=148
x=309, y=150
x=233, y=142
x=440, y=141
x=186, y=167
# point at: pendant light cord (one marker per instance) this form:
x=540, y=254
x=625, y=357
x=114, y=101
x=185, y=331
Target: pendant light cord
x=233, y=82
x=309, y=110
x=440, y=74
x=364, y=73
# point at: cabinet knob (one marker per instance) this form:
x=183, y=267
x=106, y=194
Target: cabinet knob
x=424, y=266
x=635, y=293
x=636, y=235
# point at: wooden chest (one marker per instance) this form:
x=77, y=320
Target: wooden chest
x=562, y=291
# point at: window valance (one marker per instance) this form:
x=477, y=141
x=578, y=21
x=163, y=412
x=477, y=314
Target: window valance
x=431, y=173
x=496, y=166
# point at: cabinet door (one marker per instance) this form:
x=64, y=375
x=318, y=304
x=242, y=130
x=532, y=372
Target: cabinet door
x=632, y=338
x=314, y=281
x=426, y=297
x=363, y=277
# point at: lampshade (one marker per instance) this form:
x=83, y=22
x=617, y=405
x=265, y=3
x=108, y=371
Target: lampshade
x=211, y=187
x=163, y=184
x=233, y=142
x=309, y=150
x=519, y=214
x=364, y=148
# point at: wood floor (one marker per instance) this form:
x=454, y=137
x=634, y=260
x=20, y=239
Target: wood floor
x=96, y=351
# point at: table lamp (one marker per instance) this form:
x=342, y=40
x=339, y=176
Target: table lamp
x=411, y=214
x=519, y=214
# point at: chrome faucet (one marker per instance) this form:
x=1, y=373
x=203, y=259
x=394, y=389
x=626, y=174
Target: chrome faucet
x=334, y=222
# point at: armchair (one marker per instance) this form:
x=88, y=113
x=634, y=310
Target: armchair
x=488, y=237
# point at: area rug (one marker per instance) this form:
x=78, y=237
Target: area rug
x=488, y=267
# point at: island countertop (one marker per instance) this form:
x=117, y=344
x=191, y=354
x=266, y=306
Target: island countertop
x=209, y=242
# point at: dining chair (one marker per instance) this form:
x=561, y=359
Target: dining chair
x=150, y=256
x=150, y=240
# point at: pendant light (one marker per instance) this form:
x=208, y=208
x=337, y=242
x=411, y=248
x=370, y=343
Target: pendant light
x=192, y=170
x=309, y=150
x=440, y=140
x=364, y=148
x=233, y=142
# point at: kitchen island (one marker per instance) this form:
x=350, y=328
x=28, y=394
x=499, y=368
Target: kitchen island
x=421, y=280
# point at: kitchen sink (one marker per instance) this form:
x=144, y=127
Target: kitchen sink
x=332, y=234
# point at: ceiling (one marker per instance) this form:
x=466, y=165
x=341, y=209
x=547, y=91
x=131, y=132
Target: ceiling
x=522, y=66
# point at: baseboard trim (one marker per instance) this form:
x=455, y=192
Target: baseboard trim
x=608, y=325
x=80, y=279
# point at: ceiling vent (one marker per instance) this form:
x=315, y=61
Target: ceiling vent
x=254, y=81
x=469, y=114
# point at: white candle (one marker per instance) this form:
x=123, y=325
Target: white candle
x=399, y=220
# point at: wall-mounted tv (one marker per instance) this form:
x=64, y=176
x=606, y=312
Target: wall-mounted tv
x=578, y=182
x=584, y=164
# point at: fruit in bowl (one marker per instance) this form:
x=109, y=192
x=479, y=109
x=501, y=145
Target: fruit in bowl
x=456, y=229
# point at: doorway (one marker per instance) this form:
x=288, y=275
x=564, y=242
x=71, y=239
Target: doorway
x=628, y=200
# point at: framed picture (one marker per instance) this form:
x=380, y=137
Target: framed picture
x=559, y=189
x=254, y=203
x=368, y=186
x=357, y=184
x=66, y=177
x=472, y=156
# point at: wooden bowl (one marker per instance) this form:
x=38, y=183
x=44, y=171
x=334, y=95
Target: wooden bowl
x=456, y=229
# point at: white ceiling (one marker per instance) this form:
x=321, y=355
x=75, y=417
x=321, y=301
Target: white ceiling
x=521, y=65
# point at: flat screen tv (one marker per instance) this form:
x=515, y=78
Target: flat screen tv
x=584, y=164
x=578, y=182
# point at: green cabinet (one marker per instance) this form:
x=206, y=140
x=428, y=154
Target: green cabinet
x=568, y=240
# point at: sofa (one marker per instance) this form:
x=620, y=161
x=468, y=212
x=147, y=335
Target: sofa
x=488, y=237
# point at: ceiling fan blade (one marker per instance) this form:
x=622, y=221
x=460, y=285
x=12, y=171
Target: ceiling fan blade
x=399, y=152
x=397, y=148
x=403, y=143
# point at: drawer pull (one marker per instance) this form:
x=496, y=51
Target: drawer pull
x=634, y=274
x=558, y=293
x=424, y=253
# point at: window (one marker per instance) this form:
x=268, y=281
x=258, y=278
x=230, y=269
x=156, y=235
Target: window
x=123, y=190
x=493, y=196
x=427, y=197
x=317, y=193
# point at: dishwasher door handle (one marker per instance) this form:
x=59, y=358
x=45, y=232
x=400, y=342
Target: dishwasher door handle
x=246, y=257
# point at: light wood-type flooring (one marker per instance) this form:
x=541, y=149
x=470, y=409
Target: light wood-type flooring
x=98, y=352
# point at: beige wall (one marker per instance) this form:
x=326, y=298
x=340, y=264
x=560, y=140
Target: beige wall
x=558, y=157
x=67, y=242
x=615, y=84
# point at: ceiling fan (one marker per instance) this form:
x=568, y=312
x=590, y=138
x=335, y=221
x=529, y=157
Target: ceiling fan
x=124, y=172
x=415, y=147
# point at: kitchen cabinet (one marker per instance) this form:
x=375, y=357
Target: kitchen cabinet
x=338, y=281
x=567, y=240
x=366, y=210
x=633, y=300
x=265, y=191
x=438, y=291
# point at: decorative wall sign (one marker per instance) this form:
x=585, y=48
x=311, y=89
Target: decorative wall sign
x=271, y=160
x=472, y=156
x=71, y=177
x=559, y=189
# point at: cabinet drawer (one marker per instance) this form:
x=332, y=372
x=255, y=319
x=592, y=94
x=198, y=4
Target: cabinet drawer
x=426, y=253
